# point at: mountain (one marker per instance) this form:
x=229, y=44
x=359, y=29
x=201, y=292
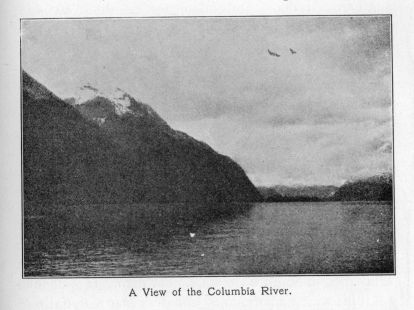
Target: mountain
x=65, y=157
x=297, y=192
x=113, y=148
x=372, y=188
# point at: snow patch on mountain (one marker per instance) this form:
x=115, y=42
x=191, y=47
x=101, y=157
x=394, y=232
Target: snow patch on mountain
x=99, y=120
x=120, y=99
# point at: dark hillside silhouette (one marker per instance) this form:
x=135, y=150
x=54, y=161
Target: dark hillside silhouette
x=69, y=156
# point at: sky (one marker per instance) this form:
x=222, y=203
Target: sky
x=320, y=116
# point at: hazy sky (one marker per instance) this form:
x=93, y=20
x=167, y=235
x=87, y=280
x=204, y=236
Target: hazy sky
x=321, y=116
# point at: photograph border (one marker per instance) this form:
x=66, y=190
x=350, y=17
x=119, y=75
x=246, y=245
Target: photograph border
x=394, y=273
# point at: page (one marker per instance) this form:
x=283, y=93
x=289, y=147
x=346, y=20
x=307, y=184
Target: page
x=190, y=155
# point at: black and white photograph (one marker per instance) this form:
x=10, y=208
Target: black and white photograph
x=207, y=146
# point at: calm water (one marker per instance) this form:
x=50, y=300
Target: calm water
x=260, y=238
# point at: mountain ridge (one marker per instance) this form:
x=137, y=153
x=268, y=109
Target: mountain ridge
x=376, y=187
x=134, y=156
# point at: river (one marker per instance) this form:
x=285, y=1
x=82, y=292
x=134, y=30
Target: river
x=218, y=239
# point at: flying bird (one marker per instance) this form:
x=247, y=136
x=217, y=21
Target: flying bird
x=192, y=235
x=292, y=51
x=272, y=53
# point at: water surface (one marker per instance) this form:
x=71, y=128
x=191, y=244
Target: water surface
x=228, y=239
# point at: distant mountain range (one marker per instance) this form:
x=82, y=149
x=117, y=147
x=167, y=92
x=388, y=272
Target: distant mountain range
x=313, y=192
x=113, y=148
x=371, y=188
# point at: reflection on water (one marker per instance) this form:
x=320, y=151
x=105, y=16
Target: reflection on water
x=260, y=238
